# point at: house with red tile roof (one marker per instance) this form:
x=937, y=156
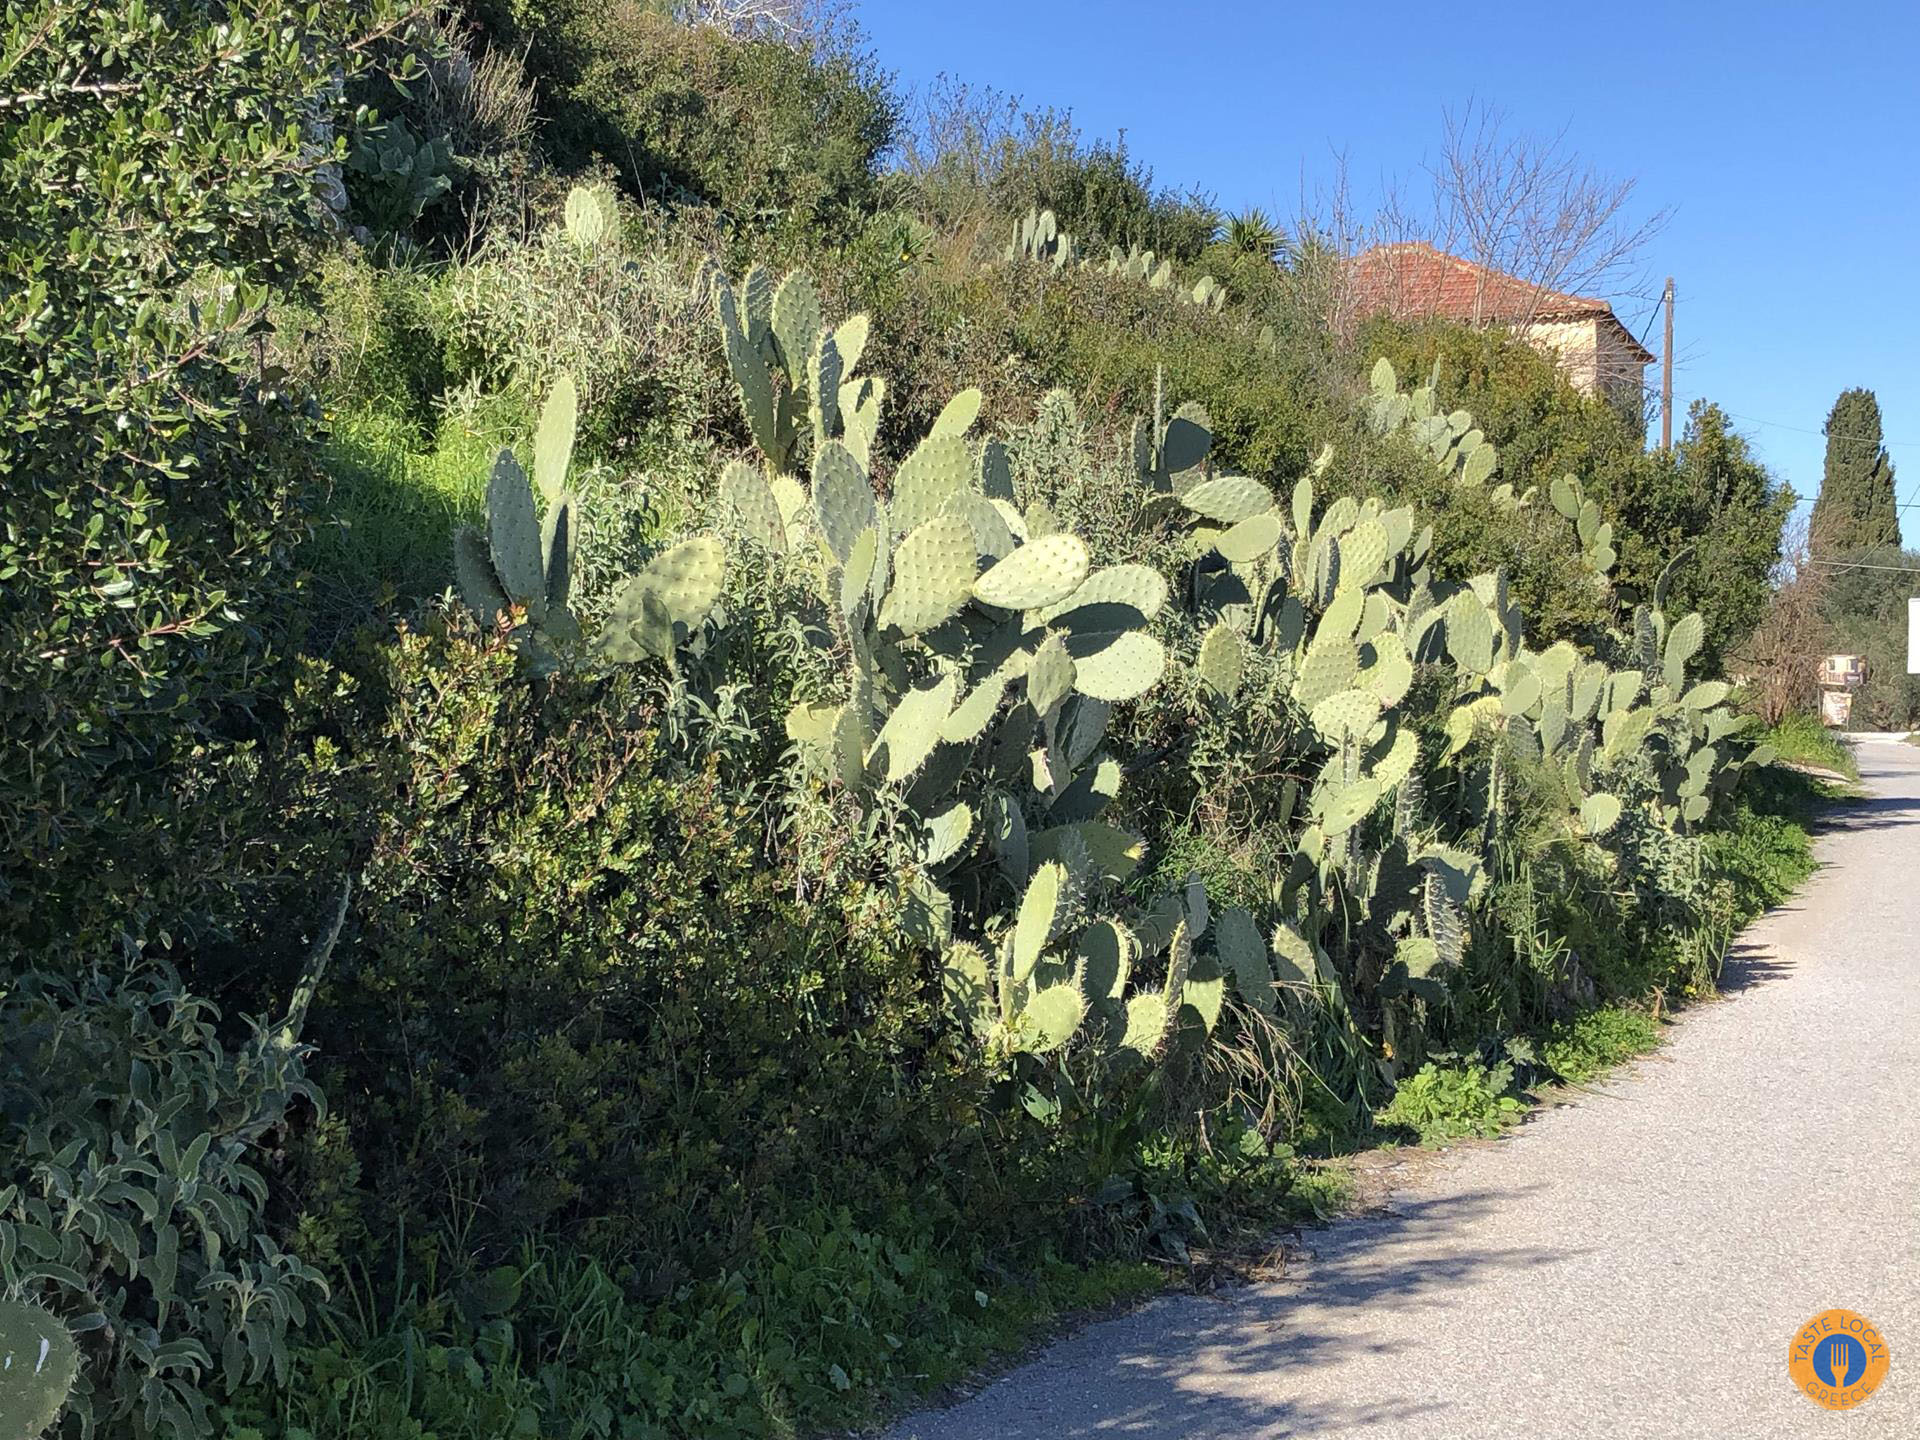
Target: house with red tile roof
x=1596, y=352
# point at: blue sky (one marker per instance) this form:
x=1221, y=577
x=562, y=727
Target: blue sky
x=1782, y=135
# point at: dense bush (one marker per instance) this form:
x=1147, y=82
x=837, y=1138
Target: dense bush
x=974, y=157
x=154, y=475
x=774, y=137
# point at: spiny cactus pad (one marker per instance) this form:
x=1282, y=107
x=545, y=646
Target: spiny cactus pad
x=1103, y=596
x=1042, y=909
x=939, y=468
x=1041, y=572
x=1253, y=537
x=1346, y=715
x=1329, y=665
x=957, y=417
x=553, y=441
x=933, y=573
x=1245, y=957
x=1116, y=666
x=1222, y=657
x=1228, y=499
x=754, y=507
x=1599, y=813
x=843, y=500
x=513, y=534
x=38, y=1364
x=913, y=729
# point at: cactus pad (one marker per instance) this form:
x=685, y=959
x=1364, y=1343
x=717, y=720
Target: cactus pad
x=1469, y=634
x=1103, y=594
x=513, y=535
x=1251, y=538
x=1222, y=657
x=1228, y=499
x=1349, y=805
x=1363, y=553
x=1039, y=573
x=938, y=469
x=1292, y=954
x=1346, y=715
x=796, y=320
x=1127, y=665
x=1391, y=674
x=553, y=441
x=1245, y=958
x=843, y=502
x=1329, y=665
x=959, y=413
x=1599, y=813
x=913, y=729
x=751, y=499
x=1042, y=909
x=933, y=572
x=1050, y=675
x=1403, y=752
x=38, y=1366
x=1051, y=1018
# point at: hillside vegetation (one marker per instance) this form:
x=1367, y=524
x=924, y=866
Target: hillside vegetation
x=674, y=779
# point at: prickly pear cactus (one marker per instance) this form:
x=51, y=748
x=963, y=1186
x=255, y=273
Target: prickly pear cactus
x=523, y=563
x=38, y=1366
x=794, y=376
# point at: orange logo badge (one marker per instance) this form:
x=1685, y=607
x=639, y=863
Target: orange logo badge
x=1837, y=1359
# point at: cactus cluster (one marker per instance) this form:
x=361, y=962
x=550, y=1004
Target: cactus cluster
x=1594, y=534
x=1344, y=600
x=1455, y=443
x=1037, y=237
x=523, y=560
x=980, y=653
x=795, y=376
x=521, y=565
x=39, y=1363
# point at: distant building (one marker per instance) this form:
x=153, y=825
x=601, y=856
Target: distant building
x=1598, y=355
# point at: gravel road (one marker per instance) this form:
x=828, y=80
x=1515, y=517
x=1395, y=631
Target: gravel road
x=1631, y=1265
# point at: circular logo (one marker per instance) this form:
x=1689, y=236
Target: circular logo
x=1837, y=1359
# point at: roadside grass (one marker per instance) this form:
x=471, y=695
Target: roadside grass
x=1803, y=740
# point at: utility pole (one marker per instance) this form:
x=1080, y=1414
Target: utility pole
x=1666, y=376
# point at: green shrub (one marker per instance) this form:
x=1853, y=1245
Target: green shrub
x=653, y=1032
x=131, y=1199
x=773, y=136
x=152, y=474
x=975, y=158
x=1580, y=1049
x=1453, y=1102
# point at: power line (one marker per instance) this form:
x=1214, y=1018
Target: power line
x=1862, y=565
x=1802, y=430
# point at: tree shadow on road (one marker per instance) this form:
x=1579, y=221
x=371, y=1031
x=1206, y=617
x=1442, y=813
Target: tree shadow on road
x=1238, y=1365
x=1874, y=812
x=1752, y=963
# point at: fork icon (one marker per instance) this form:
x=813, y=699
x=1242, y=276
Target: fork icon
x=1839, y=1357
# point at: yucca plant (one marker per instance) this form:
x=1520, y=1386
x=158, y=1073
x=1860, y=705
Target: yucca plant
x=1253, y=232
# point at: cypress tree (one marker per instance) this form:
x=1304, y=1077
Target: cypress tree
x=1856, y=509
